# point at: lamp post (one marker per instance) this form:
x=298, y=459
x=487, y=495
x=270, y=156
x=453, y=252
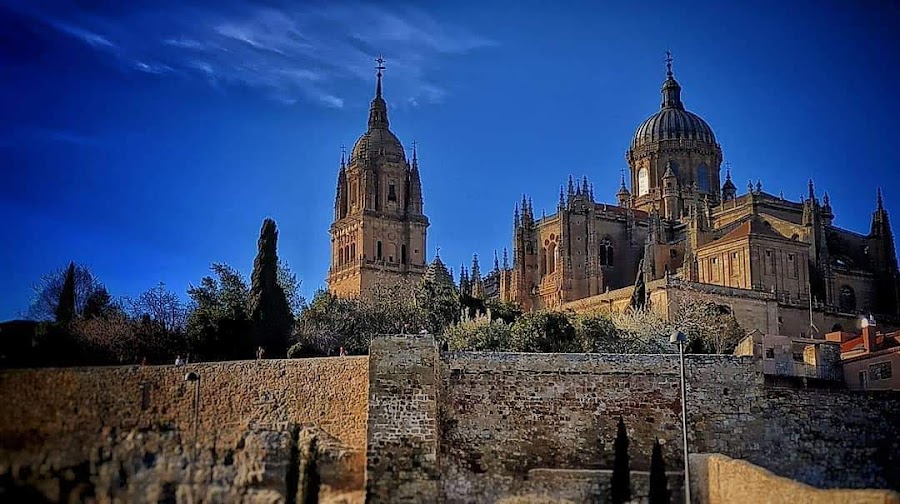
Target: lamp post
x=195, y=377
x=678, y=338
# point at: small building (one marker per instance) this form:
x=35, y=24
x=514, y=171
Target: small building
x=871, y=360
x=790, y=360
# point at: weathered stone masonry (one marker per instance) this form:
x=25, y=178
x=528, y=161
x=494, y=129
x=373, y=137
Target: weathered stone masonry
x=126, y=432
x=504, y=418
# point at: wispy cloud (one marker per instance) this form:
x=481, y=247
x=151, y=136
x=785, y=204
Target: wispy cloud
x=306, y=52
x=86, y=36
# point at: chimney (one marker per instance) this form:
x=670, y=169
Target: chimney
x=868, y=333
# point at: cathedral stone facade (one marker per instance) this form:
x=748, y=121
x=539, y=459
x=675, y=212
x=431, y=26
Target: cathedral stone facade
x=379, y=228
x=681, y=222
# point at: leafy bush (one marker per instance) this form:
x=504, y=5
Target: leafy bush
x=480, y=334
x=544, y=331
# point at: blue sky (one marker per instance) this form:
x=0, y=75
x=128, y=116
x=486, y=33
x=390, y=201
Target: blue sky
x=148, y=139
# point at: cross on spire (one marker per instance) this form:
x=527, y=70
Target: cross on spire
x=343, y=153
x=669, y=61
x=379, y=67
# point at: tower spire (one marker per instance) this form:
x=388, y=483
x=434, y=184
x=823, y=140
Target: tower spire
x=671, y=91
x=879, y=200
x=378, y=109
x=343, y=153
x=379, y=67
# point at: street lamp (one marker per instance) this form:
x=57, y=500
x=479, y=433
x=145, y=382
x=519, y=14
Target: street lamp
x=678, y=338
x=193, y=376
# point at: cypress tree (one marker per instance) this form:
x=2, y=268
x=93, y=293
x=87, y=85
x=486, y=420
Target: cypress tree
x=65, y=309
x=659, y=484
x=621, y=477
x=270, y=313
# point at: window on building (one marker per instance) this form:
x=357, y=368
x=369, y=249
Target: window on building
x=880, y=371
x=863, y=382
x=847, y=299
x=353, y=251
x=378, y=250
x=643, y=181
x=392, y=194
x=770, y=353
x=798, y=356
x=606, y=252
x=551, y=257
x=703, y=178
x=770, y=262
x=403, y=254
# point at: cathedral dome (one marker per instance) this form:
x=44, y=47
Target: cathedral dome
x=672, y=122
x=377, y=141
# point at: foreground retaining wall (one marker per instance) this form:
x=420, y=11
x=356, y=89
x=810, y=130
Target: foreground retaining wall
x=56, y=421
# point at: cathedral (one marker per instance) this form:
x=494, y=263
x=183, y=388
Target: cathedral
x=379, y=227
x=680, y=225
x=780, y=266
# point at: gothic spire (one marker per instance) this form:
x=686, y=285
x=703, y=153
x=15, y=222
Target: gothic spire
x=562, y=200
x=879, y=201
x=378, y=108
x=496, y=261
x=516, y=218
x=571, y=186
x=505, y=259
x=379, y=68
x=812, y=190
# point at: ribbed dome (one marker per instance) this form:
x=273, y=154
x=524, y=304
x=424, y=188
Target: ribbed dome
x=377, y=141
x=672, y=122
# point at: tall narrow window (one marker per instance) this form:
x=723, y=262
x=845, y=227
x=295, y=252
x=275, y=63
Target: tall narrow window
x=703, y=178
x=403, y=254
x=847, y=300
x=643, y=182
x=378, y=250
x=353, y=251
x=392, y=194
x=606, y=252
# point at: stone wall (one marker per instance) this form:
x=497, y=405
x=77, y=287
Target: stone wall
x=503, y=417
x=403, y=409
x=58, y=422
x=717, y=479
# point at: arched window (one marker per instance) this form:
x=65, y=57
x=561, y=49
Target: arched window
x=643, y=181
x=340, y=256
x=703, y=178
x=606, y=252
x=378, y=250
x=847, y=301
x=543, y=261
x=551, y=257
x=353, y=251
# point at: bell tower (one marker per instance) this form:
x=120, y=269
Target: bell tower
x=379, y=229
